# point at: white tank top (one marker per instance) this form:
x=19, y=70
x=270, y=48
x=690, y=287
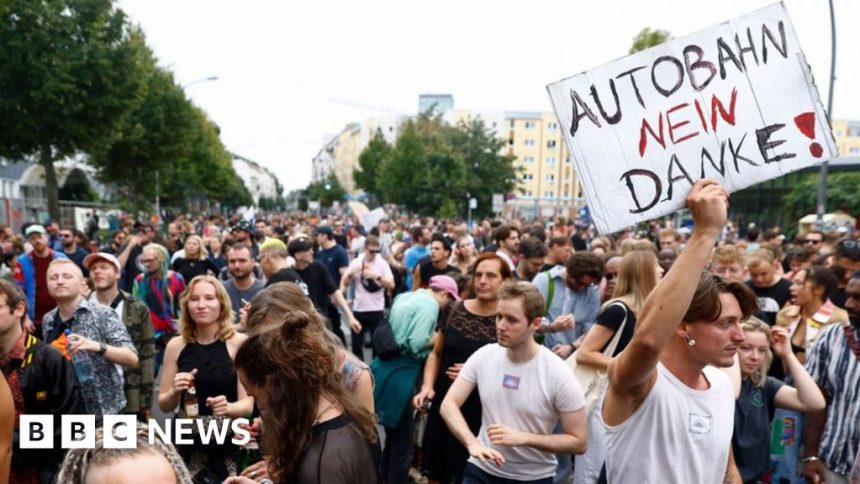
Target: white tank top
x=678, y=434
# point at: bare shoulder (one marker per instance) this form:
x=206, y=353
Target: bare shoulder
x=234, y=342
x=175, y=344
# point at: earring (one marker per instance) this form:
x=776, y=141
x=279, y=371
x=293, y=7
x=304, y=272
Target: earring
x=690, y=341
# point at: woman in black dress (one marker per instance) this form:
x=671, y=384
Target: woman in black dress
x=196, y=260
x=470, y=326
x=202, y=357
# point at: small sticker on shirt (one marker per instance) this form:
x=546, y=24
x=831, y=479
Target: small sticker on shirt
x=511, y=381
x=700, y=424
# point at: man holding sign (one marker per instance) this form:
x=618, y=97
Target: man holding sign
x=665, y=380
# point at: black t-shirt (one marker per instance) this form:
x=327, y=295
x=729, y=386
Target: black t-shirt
x=191, y=268
x=338, y=452
x=751, y=439
x=771, y=299
x=78, y=258
x=320, y=285
x=288, y=274
x=612, y=317
x=130, y=271
x=428, y=270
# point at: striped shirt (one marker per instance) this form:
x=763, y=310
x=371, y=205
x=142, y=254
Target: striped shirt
x=837, y=370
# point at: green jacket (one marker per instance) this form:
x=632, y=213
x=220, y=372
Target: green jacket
x=139, y=381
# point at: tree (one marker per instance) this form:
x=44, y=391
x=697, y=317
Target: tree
x=369, y=161
x=160, y=130
x=77, y=187
x=71, y=73
x=649, y=38
x=326, y=191
x=434, y=168
x=842, y=194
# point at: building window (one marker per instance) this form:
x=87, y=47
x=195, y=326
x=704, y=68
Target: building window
x=550, y=178
x=567, y=160
x=513, y=122
x=854, y=150
x=530, y=124
x=529, y=142
x=853, y=132
x=550, y=160
x=552, y=126
x=529, y=194
x=548, y=194
x=551, y=143
x=528, y=176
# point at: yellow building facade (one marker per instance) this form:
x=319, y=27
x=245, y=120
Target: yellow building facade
x=847, y=135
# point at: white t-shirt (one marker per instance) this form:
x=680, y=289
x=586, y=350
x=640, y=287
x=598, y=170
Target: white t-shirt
x=678, y=434
x=524, y=396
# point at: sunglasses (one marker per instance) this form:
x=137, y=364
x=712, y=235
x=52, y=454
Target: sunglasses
x=374, y=251
x=610, y=276
x=66, y=236
x=811, y=241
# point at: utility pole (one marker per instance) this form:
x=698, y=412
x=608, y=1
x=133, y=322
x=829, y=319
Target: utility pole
x=822, y=182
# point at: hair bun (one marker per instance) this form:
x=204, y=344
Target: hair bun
x=295, y=322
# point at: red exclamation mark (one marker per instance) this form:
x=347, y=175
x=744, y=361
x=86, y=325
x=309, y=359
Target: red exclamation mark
x=806, y=124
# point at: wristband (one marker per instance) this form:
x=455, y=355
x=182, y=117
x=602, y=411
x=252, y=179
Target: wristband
x=811, y=458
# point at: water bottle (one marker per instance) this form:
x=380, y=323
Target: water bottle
x=82, y=365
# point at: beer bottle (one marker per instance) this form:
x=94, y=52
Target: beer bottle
x=192, y=406
x=250, y=453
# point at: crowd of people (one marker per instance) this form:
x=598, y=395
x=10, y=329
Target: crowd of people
x=515, y=351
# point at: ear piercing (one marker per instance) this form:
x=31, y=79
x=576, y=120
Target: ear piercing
x=690, y=341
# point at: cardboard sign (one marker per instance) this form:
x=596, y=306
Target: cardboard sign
x=734, y=102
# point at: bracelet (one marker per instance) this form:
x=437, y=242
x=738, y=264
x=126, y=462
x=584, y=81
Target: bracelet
x=811, y=458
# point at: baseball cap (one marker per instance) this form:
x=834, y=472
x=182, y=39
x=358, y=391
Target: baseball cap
x=242, y=225
x=88, y=260
x=325, y=229
x=34, y=229
x=447, y=284
x=299, y=244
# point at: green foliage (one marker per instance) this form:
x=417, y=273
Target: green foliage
x=77, y=188
x=369, y=161
x=842, y=194
x=325, y=191
x=648, y=38
x=434, y=168
x=70, y=75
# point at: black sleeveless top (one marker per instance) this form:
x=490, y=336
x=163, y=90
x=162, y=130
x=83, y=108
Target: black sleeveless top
x=216, y=374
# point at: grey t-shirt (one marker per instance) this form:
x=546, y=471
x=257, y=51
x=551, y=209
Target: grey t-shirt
x=237, y=295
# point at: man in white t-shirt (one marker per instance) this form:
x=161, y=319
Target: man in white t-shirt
x=525, y=389
x=668, y=411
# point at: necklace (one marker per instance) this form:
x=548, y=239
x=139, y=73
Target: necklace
x=319, y=415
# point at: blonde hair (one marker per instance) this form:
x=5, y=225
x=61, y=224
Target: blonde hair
x=633, y=245
x=728, y=254
x=637, y=277
x=75, y=268
x=188, y=328
x=79, y=461
x=760, y=256
x=759, y=376
x=202, y=253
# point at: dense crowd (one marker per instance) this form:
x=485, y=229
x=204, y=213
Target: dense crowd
x=423, y=350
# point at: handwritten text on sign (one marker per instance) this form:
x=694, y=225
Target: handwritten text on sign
x=734, y=102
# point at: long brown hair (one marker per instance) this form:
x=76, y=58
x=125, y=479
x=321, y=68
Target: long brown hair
x=296, y=367
x=270, y=305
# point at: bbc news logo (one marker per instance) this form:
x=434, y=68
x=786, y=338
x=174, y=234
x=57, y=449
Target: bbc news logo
x=120, y=431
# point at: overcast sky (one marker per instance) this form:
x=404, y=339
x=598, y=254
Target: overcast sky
x=292, y=72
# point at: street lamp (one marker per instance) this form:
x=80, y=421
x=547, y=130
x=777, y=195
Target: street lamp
x=202, y=79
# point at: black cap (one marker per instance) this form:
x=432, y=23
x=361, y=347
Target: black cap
x=325, y=229
x=242, y=225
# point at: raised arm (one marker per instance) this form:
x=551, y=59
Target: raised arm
x=804, y=396
x=632, y=373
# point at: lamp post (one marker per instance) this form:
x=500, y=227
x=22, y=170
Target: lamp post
x=822, y=182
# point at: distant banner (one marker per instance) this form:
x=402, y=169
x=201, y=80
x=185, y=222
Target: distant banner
x=735, y=102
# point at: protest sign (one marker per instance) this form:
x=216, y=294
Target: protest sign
x=734, y=102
